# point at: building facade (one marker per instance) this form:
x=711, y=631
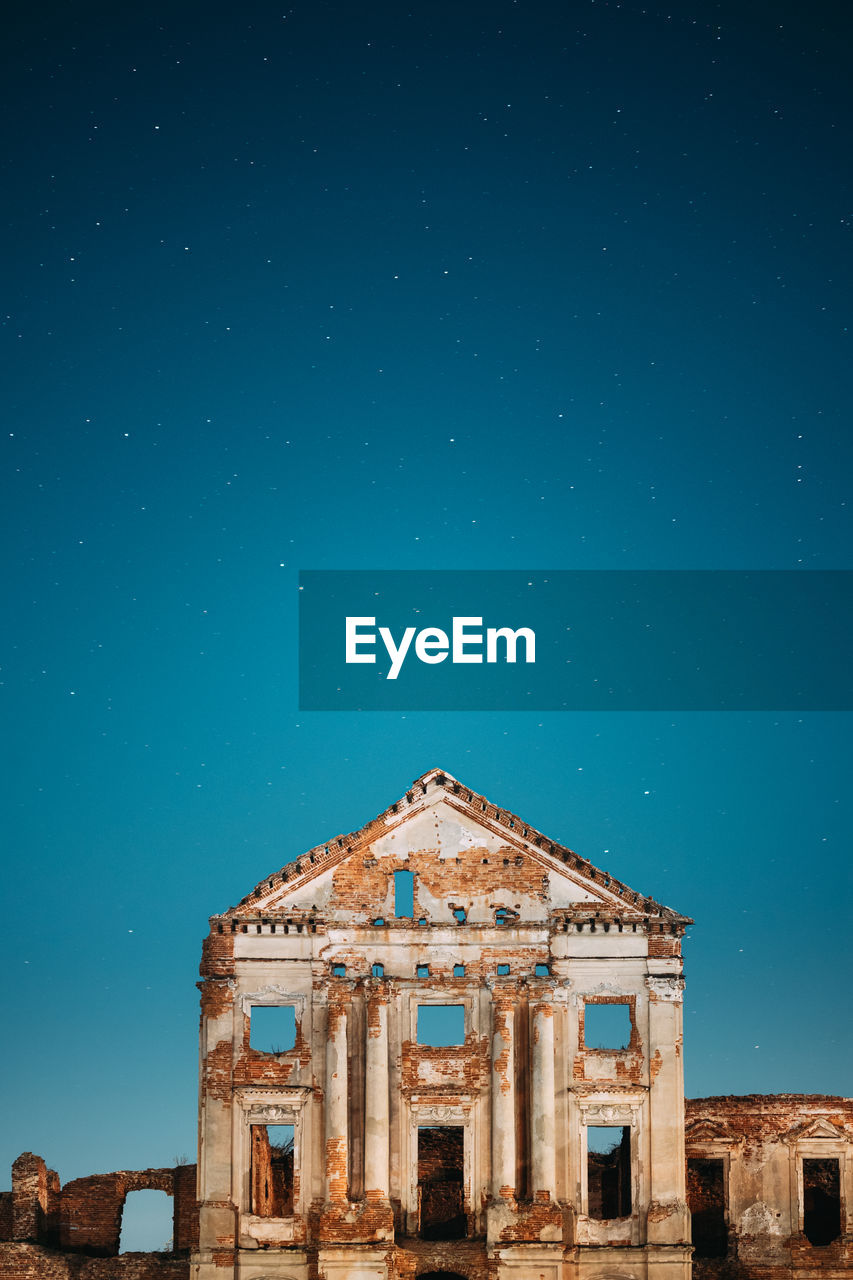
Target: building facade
x=478, y=1062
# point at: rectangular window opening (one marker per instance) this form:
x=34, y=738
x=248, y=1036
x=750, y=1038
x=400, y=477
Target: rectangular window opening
x=606, y=1026
x=404, y=893
x=272, y=1170
x=421, y=970
x=821, y=1201
x=339, y=970
x=441, y=1206
x=272, y=1028
x=706, y=1197
x=459, y=971
x=608, y=1170
x=503, y=970
x=543, y=970
x=147, y=1222
x=378, y=970
x=441, y=1025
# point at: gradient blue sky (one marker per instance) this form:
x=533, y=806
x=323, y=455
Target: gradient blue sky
x=491, y=285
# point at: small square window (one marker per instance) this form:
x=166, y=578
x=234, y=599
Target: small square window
x=378, y=970
x=441, y=1025
x=339, y=970
x=543, y=971
x=503, y=970
x=606, y=1026
x=272, y=1027
x=422, y=971
x=459, y=971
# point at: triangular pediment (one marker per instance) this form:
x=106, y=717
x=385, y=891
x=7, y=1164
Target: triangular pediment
x=467, y=854
x=706, y=1131
x=818, y=1128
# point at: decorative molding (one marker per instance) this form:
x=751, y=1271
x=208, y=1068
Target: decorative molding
x=602, y=989
x=440, y=1114
x=272, y=1115
x=607, y=1113
x=669, y=988
x=271, y=994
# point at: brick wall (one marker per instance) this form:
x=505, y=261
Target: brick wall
x=84, y=1218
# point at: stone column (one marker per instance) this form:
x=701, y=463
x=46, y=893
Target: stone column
x=667, y=1213
x=503, y=1095
x=543, y=1135
x=336, y=1105
x=219, y=1174
x=377, y=1112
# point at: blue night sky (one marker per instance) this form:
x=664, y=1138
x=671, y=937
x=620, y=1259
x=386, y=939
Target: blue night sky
x=483, y=285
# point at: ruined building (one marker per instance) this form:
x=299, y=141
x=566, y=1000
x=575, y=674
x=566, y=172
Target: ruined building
x=445, y=1046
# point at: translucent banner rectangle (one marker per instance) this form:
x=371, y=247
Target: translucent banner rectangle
x=575, y=640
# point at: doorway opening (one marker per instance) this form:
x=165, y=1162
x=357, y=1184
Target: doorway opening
x=821, y=1201
x=441, y=1206
x=706, y=1199
x=272, y=1170
x=609, y=1171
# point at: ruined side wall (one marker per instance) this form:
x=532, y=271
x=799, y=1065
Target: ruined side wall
x=52, y=1232
x=762, y=1142
x=22, y=1261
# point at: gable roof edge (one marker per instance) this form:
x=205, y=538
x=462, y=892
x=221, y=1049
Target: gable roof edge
x=327, y=855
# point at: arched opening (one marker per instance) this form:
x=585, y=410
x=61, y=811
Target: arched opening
x=147, y=1223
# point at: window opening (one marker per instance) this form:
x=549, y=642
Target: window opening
x=441, y=1025
x=606, y=1026
x=272, y=1170
x=147, y=1223
x=608, y=1170
x=339, y=970
x=422, y=971
x=378, y=970
x=379, y=920
x=503, y=970
x=272, y=1027
x=706, y=1198
x=441, y=1209
x=821, y=1201
x=404, y=893
x=461, y=915
x=543, y=971
x=459, y=971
